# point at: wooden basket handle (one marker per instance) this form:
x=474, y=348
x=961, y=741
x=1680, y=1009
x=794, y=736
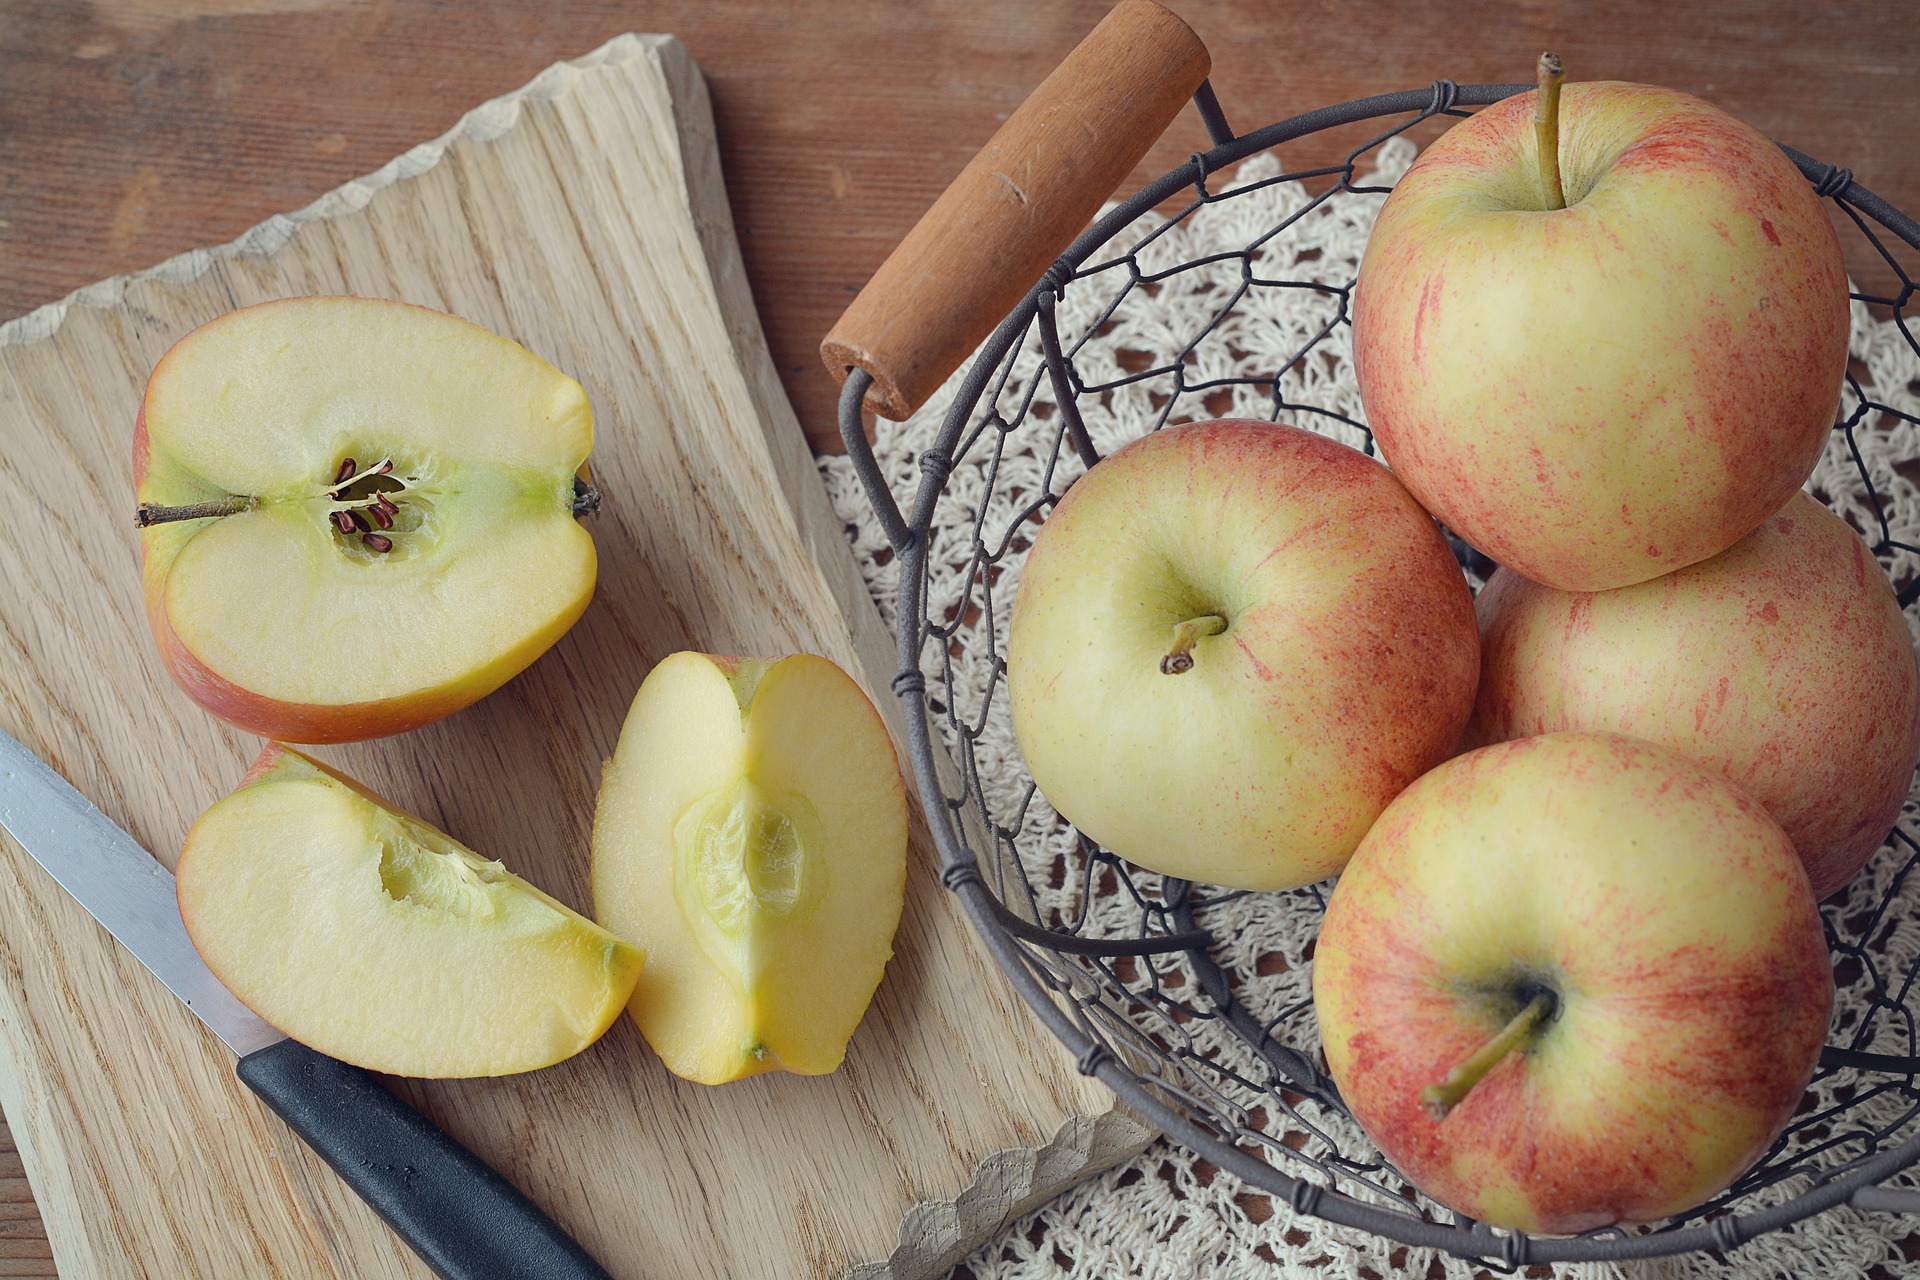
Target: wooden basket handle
x=1017, y=205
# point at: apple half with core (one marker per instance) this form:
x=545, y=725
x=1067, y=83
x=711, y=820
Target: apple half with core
x=752, y=836
x=1571, y=981
x=1602, y=342
x=363, y=932
x=1233, y=643
x=357, y=516
x=1783, y=662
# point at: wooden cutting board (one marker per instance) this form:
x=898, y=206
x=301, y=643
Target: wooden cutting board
x=585, y=217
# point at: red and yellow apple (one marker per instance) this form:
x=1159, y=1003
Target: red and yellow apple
x=1783, y=662
x=1602, y=393
x=363, y=932
x=358, y=515
x=751, y=836
x=1233, y=644
x=1597, y=961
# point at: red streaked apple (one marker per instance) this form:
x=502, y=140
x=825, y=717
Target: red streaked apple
x=358, y=516
x=1598, y=961
x=363, y=932
x=751, y=835
x=1783, y=662
x=1233, y=644
x=1597, y=394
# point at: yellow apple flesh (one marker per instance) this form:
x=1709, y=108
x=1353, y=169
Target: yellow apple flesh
x=1783, y=662
x=1665, y=915
x=751, y=836
x=1599, y=394
x=1337, y=666
x=278, y=619
x=363, y=932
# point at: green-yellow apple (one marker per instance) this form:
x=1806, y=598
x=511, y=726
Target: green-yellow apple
x=1598, y=394
x=363, y=932
x=752, y=837
x=358, y=515
x=1572, y=980
x=1233, y=644
x=1783, y=662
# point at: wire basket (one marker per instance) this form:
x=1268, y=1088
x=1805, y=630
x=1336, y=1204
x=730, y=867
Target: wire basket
x=1220, y=1053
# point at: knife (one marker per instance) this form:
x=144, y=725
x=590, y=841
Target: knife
x=464, y=1220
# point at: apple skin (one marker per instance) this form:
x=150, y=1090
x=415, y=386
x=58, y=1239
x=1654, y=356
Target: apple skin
x=1671, y=916
x=1347, y=668
x=1783, y=663
x=330, y=722
x=1597, y=395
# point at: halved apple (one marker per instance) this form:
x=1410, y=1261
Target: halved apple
x=358, y=515
x=363, y=932
x=751, y=836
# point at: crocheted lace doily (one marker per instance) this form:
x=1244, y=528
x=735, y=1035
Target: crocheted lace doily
x=1169, y=1213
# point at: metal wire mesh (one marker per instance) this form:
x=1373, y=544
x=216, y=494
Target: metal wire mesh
x=1211, y=1037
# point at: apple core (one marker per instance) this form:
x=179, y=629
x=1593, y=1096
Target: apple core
x=741, y=864
x=448, y=880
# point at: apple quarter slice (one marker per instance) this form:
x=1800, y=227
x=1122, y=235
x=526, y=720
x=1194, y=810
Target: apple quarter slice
x=751, y=835
x=363, y=932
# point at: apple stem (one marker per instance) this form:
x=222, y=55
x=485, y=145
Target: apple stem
x=152, y=513
x=1441, y=1098
x=1185, y=636
x=1546, y=129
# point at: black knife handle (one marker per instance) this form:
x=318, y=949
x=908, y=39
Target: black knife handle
x=463, y=1219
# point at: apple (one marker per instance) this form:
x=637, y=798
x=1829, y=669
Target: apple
x=1233, y=644
x=752, y=836
x=1783, y=662
x=358, y=515
x=363, y=932
x=1600, y=393
x=1572, y=981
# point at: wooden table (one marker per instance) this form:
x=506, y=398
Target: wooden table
x=131, y=130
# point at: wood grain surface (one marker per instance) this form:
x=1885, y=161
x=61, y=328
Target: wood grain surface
x=132, y=130
x=135, y=129
x=586, y=218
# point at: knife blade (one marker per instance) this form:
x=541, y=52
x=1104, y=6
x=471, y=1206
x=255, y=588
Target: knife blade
x=464, y=1220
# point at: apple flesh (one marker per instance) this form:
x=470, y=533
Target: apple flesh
x=1600, y=394
x=1783, y=663
x=1233, y=644
x=363, y=932
x=751, y=836
x=1668, y=923
x=329, y=600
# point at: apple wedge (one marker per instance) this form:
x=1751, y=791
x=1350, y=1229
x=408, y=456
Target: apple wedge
x=363, y=932
x=358, y=516
x=751, y=836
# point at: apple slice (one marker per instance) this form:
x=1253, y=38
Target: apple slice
x=363, y=932
x=751, y=836
x=358, y=515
